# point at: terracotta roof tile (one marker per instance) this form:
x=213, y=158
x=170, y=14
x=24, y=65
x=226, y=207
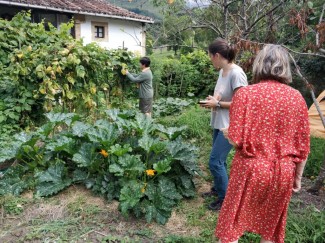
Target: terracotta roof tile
x=90, y=6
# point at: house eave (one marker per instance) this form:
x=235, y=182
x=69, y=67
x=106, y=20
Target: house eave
x=10, y=3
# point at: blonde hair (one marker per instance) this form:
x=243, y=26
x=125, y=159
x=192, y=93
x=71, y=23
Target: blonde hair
x=272, y=63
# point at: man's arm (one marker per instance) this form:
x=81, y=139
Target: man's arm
x=138, y=79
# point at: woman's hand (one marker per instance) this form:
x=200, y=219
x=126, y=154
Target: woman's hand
x=297, y=183
x=225, y=132
x=226, y=135
x=211, y=102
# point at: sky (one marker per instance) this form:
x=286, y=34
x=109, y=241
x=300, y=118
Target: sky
x=194, y=3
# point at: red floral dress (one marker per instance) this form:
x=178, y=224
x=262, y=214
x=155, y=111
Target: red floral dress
x=269, y=123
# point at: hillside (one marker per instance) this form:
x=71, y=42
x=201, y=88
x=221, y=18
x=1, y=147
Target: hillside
x=143, y=7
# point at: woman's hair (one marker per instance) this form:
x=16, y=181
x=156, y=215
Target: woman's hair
x=222, y=47
x=272, y=63
x=145, y=61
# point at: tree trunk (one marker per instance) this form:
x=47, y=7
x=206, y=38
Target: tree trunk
x=225, y=19
x=319, y=181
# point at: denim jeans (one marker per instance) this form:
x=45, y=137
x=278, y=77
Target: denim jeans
x=218, y=163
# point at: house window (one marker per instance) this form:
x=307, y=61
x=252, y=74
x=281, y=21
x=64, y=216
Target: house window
x=99, y=32
x=55, y=19
x=49, y=18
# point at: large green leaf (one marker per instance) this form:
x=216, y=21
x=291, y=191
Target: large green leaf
x=46, y=129
x=106, y=137
x=113, y=114
x=163, y=197
x=9, y=151
x=130, y=196
x=66, y=118
x=162, y=166
x=168, y=189
x=146, y=142
x=186, y=154
x=159, y=147
x=12, y=185
x=127, y=165
x=81, y=72
x=13, y=181
x=79, y=129
x=171, y=132
x=52, y=174
x=143, y=124
x=53, y=180
x=185, y=185
x=102, y=124
x=118, y=150
x=86, y=155
x=23, y=137
x=79, y=175
x=61, y=143
x=45, y=189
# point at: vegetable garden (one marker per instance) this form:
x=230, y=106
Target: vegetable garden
x=68, y=120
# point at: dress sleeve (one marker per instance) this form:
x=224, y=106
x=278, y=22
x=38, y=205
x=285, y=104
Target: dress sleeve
x=237, y=115
x=302, y=135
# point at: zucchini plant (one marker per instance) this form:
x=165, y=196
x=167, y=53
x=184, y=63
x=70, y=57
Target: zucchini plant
x=126, y=156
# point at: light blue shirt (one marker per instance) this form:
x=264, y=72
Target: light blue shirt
x=225, y=88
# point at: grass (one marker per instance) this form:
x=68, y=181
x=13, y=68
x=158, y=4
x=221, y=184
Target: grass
x=316, y=157
x=197, y=121
x=306, y=225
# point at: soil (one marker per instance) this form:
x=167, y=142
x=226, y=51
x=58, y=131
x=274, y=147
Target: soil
x=306, y=199
x=109, y=225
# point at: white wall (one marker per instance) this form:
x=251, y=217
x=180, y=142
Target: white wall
x=119, y=31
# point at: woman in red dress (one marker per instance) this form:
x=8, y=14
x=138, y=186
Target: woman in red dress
x=270, y=131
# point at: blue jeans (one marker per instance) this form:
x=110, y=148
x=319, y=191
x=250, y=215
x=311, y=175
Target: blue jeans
x=218, y=163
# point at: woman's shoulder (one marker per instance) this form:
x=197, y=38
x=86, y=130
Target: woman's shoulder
x=236, y=68
x=237, y=71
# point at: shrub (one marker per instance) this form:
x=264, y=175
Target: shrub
x=41, y=70
x=176, y=77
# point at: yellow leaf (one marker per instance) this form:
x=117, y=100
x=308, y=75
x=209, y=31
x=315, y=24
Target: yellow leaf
x=93, y=90
x=42, y=90
x=58, y=69
x=48, y=69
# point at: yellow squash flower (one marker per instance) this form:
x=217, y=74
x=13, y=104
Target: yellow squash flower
x=104, y=153
x=150, y=172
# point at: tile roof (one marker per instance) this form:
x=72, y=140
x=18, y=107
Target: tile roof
x=90, y=7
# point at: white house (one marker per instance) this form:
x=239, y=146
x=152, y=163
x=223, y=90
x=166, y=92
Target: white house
x=110, y=26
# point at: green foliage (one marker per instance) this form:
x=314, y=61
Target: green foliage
x=316, y=157
x=126, y=156
x=12, y=205
x=305, y=226
x=46, y=69
x=197, y=122
x=177, y=77
x=169, y=106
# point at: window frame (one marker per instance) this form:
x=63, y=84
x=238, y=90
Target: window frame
x=95, y=26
